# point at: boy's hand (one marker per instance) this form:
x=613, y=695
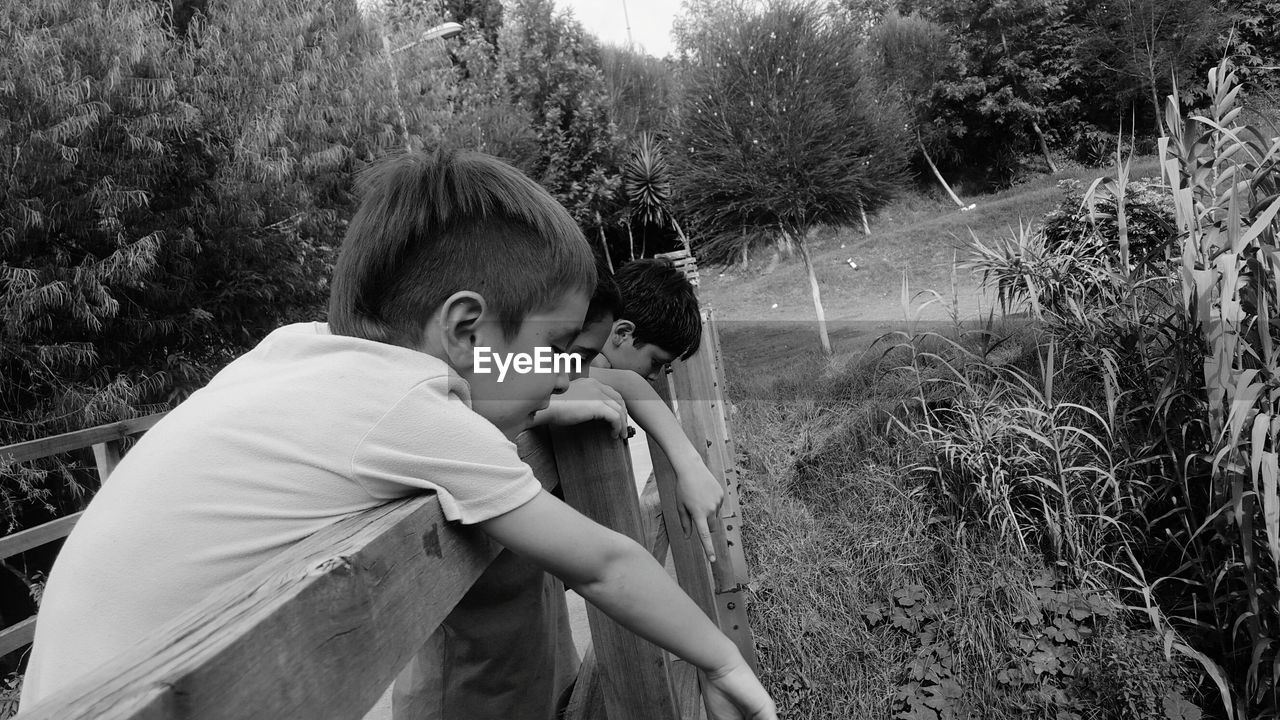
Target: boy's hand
x=736, y=694
x=700, y=495
x=588, y=399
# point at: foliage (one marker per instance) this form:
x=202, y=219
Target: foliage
x=777, y=130
x=1010, y=453
x=168, y=200
x=748, y=156
x=1162, y=298
x=1011, y=67
x=908, y=57
x=1059, y=657
x=920, y=615
x=1137, y=49
x=1226, y=194
x=550, y=67
x=642, y=90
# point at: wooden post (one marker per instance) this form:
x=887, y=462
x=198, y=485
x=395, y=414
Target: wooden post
x=595, y=475
x=701, y=409
x=687, y=555
x=107, y=456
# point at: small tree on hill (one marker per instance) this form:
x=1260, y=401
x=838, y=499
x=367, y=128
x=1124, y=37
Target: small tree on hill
x=777, y=133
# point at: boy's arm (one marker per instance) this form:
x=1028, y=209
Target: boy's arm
x=700, y=494
x=618, y=576
x=586, y=399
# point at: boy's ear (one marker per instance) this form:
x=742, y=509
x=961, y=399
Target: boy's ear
x=458, y=319
x=622, y=329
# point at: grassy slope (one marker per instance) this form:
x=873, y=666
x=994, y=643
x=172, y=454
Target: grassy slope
x=833, y=526
x=917, y=236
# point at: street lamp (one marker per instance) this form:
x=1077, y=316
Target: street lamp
x=443, y=31
x=439, y=32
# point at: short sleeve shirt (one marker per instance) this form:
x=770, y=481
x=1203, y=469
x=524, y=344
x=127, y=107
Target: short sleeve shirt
x=302, y=431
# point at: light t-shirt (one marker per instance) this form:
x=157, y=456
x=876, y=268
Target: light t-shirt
x=302, y=431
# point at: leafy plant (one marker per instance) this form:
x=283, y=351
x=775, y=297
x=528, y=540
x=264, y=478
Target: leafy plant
x=646, y=181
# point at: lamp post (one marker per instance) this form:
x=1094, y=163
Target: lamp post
x=439, y=32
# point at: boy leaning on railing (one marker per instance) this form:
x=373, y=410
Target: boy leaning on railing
x=446, y=254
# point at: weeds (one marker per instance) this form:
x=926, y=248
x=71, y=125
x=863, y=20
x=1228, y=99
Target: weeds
x=1135, y=441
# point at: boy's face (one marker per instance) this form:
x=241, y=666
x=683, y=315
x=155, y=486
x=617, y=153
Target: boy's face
x=588, y=344
x=511, y=402
x=624, y=353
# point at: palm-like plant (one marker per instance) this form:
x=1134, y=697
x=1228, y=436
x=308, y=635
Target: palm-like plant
x=646, y=180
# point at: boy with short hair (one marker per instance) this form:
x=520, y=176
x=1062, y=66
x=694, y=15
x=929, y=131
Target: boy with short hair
x=515, y=616
x=446, y=254
x=655, y=321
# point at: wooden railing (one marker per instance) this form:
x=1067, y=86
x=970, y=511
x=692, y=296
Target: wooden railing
x=323, y=629
x=105, y=440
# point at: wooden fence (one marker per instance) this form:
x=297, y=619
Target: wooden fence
x=324, y=628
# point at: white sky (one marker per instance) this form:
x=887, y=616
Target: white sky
x=650, y=21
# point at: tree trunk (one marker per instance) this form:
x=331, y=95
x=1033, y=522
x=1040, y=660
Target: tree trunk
x=937, y=174
x=680, y=232
x=1044, y=147
x=862, y=210
x=745, y=249
x=631, y=240
x=803, y=246
x=603, y=244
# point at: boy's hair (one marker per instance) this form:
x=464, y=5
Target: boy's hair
x=432, y=225
x=660, y=301
x=606, y=301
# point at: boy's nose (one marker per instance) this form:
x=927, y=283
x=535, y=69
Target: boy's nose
x=562, y=383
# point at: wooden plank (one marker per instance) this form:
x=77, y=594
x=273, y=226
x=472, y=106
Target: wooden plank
x=587, y=700
x=701, y=408
x=17, y=636
x=690, y=561
x=106, y=455
x=595, y=474
x=44, y=447
x=534, y=447
x=688, y=693
x=687, y=554
x=24, y=540
x=318, y=632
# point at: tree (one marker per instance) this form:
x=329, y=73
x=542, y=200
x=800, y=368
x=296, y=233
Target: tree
x=907, y=58
x=1136, y=49
x=1006, y=84
x=551, y=69
x=777, y=131
x=641, y=90
x=168, y=200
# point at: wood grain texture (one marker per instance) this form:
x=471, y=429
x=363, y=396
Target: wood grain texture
x=17, y=635
x=700, y=404
x=44, y=447
x=595, y=474
x=24, y=540
x=106, y=455
x=318, y=632
x=587, y=700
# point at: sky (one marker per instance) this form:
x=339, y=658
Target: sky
x=650, y=21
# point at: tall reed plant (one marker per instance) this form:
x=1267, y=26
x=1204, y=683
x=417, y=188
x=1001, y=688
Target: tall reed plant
x=1224, y=177
x=1152, y=336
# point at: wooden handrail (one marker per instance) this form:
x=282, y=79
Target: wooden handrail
x=79, y=439
x=319, y=632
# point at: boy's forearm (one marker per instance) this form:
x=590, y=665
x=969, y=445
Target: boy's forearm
x=638, y=593
x=652, y=414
